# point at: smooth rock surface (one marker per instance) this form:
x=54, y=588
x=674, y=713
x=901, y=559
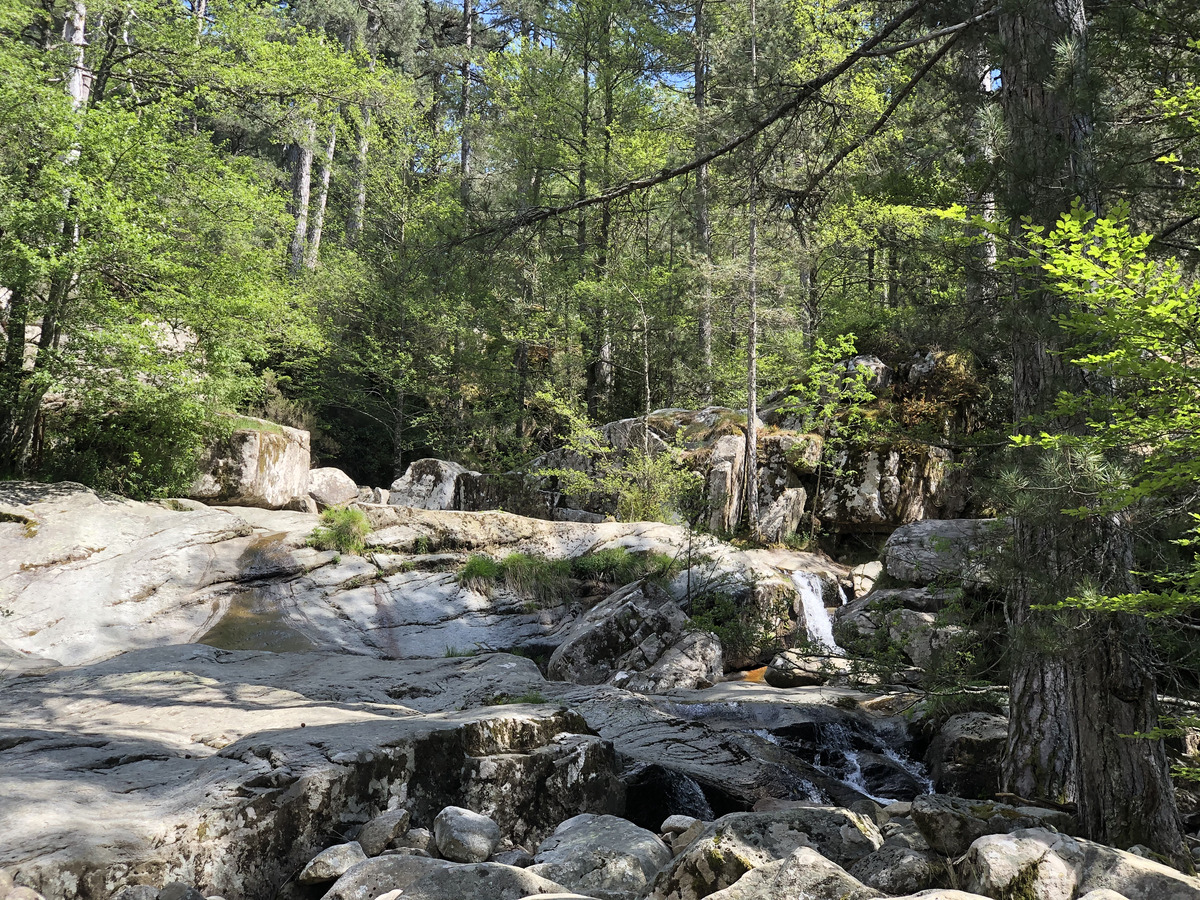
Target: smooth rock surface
x=193, y=762
x=795, y=668
x=465, y=836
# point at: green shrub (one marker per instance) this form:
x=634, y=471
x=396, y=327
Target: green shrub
x=342, y=529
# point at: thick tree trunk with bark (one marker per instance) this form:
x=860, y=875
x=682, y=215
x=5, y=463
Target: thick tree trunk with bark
x=1079, y=680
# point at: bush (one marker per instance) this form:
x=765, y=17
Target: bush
x=342, y=529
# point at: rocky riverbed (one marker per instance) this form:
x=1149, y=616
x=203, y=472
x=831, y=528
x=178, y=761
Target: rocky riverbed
x=195, y=703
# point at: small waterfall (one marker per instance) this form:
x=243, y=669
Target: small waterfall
x=816, y=619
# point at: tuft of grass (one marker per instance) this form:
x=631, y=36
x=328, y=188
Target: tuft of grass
x=246, y=423
x=453, y=652
x=616, y=565
x=541, y=581
x=342, y=529
x=479, y=574
x=544, y=582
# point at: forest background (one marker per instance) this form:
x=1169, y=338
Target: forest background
x=451, y=229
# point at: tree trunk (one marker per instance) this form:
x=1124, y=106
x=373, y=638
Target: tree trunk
x=751, y=477
x=703, y=222
x=318, y=213
x=1079, y=682
x=464, y=151
x=358, y=209
x=302, y=160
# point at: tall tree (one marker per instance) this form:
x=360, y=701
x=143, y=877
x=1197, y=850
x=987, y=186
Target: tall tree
x=1073, y=702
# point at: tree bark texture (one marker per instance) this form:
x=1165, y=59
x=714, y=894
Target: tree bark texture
x=1079, y=681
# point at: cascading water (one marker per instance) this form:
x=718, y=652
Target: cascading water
x=816, y=618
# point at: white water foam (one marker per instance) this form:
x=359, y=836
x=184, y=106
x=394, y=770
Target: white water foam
x=816, y=618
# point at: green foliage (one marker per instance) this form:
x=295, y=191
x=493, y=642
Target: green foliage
x=343, y=529
x=1133, y=323
x=642, y=485
x=452, y=652
x=748, y=629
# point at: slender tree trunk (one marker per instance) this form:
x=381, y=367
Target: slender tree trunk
x=302, y=160
x=464, y=151
x=318, y=213
x=751, y=478
x=398, y=423
x=358, y=210
x=980, y=200
x=1079, y=682
x=703, y=222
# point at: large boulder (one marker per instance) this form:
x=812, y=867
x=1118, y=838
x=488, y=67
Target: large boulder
x=635, y=630
x=952, y=824
x=260, y=464
x=736, y=843
x=1053, y=866
x=795, y=668
x=964, y=756
x=464, y=836
x=428, y=484
x=421, y=878
x=330, y=486
x=886, y=486
x=332, y=863
x=603, y=856
x=802, y=873
x=937, y=550
x=896, y=868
